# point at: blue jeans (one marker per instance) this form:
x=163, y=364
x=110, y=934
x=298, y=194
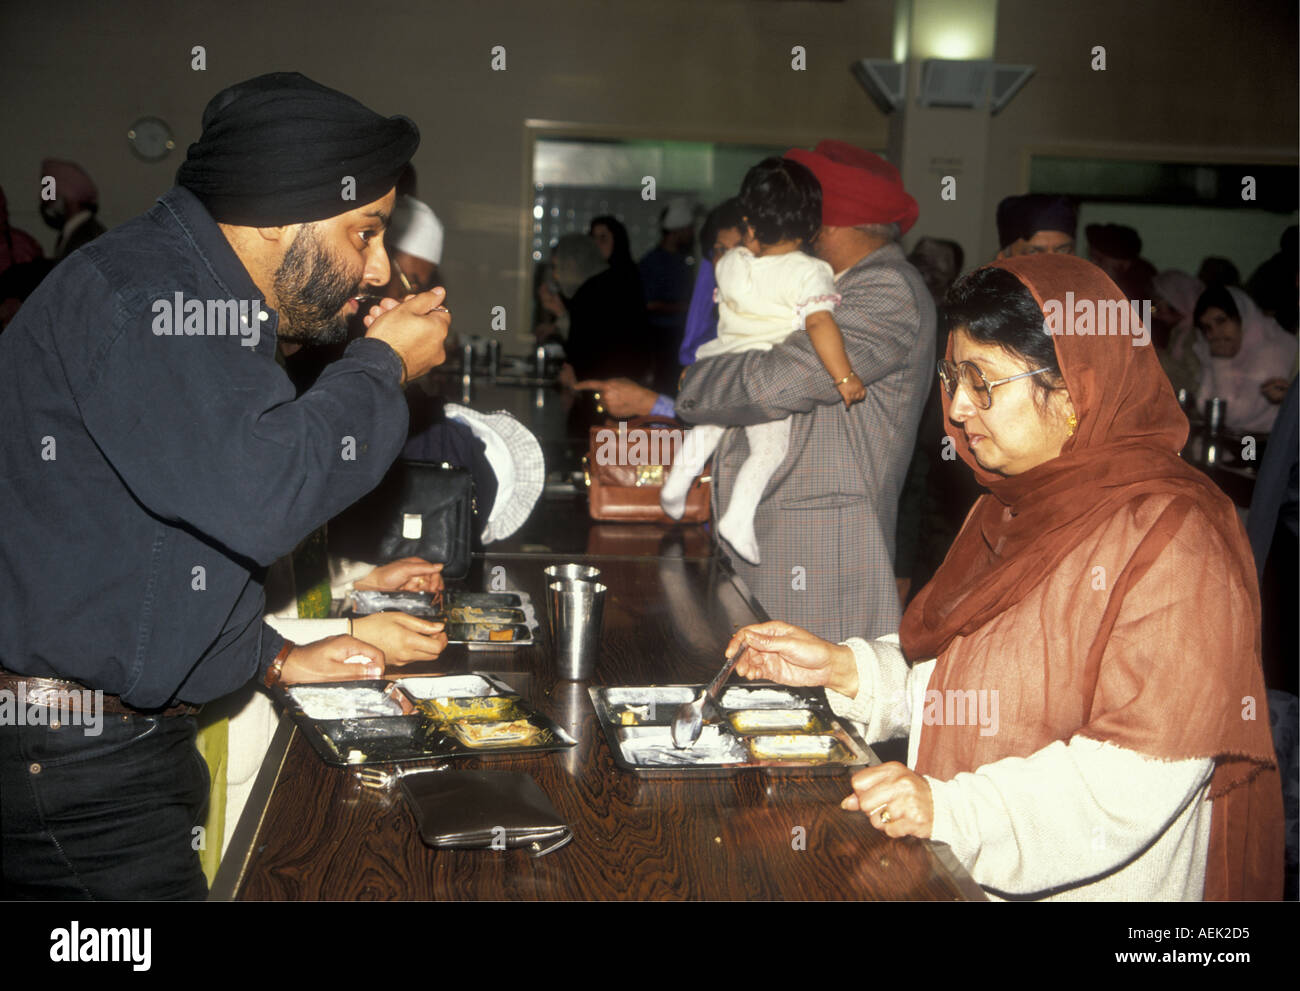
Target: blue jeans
x=107, y=817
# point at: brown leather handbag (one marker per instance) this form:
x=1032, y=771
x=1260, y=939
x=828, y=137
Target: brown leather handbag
x=625, y=468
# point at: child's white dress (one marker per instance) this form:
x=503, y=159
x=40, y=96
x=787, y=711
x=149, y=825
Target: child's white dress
x=761, y=301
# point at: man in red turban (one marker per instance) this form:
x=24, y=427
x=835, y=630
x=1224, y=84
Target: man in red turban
x=826, y=525
x=858, y=187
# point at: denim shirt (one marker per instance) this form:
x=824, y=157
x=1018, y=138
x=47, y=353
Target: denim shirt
x=147, y=479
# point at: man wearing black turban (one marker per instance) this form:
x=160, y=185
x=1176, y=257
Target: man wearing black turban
x=157, y=460
x=1036, y=224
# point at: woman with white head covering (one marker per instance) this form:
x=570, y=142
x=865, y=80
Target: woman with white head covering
x=1173, y=330
x=1247, y=359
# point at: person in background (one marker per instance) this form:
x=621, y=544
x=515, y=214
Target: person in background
x=939, y=262
x=607, y=334
x=1036, y=223
x=826, y=525
x=1173, y=332
x=666, y=279
x=22, y=265
x=1117, y=251
x=1246, y=358
x=1113, y=248
x=767, y=285
x=414, y=240
x=17, y=282
x=722, y=230
x=1216, y=271
x=611, y=238
x=17, y=247
x=1273, y=526
x=73, y=210
x=550, y=319
x=936, y=493
x=1273, y=284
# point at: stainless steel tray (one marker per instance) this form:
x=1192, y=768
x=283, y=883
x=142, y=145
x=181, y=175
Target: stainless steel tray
x=637, y=720
x=416, y=721
x=509, y=614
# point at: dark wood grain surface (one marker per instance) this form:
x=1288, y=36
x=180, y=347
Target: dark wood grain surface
x=752, y=836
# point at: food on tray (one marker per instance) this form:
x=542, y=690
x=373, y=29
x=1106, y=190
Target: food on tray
x=489, y=707
x=633, y=715
x=456, y=599
x=481, y=734
x=423, y=604
x=772, y=720
x=330, y=702
x=500, y=636
x=759, y=698
x=473, y=614
x=765, y=727
x=637, y=706
x=349, y=731
x=673, y=695
x=652, y=746
x=448, y=686
x=793, y=746
x=482, y=633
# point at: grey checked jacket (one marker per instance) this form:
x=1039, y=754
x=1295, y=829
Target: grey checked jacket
x=826, y=524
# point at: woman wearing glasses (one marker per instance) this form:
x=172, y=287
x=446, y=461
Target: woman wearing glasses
x=1080, y=682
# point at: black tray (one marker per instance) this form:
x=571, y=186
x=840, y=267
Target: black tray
x=417, y=731
x=513, y=608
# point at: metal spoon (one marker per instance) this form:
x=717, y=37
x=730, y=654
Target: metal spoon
x=689, y=721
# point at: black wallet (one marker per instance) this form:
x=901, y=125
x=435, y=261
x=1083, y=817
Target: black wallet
x=420, y=509
x=484, y=810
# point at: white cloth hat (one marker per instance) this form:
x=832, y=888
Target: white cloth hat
x=680, y=213
x=415, y=229
x=516, y=460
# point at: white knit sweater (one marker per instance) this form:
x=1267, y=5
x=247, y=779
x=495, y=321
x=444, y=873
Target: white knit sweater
x=1082, y=820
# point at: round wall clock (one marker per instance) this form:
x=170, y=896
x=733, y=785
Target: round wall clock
x=151, y=139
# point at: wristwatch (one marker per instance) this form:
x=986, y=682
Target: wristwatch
x=273, y=672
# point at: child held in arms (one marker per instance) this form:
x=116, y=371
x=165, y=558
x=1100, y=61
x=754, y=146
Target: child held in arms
x=767, y=289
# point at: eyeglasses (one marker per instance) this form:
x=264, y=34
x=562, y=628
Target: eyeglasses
x=969, y=375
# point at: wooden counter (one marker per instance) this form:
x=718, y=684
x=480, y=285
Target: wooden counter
x=312, y=832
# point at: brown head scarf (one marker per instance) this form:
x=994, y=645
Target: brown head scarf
x=1181, y=699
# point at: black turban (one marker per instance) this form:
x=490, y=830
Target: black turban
x=1024, y=216
x=275, y=150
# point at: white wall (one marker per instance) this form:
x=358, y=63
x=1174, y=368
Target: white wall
x=75, y=74
x=1203, y=81
x=1211, y=80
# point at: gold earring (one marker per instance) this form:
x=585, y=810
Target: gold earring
x=1072, y=422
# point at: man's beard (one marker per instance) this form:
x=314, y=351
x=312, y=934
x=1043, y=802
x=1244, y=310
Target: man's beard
x=311, y=288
